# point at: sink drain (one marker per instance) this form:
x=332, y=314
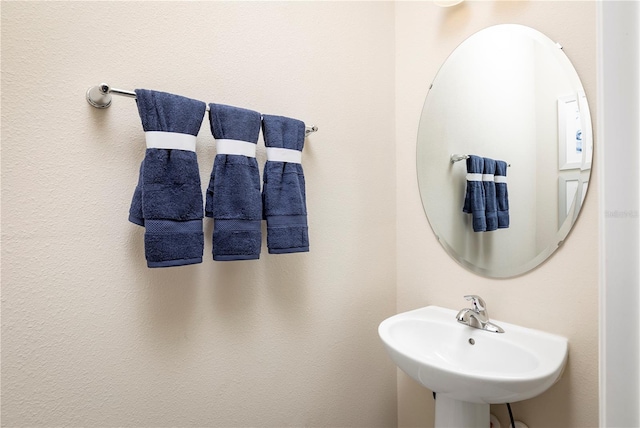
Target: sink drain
x=472, y=341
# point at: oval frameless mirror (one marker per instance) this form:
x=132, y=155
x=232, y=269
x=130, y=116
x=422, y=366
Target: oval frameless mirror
x=507, y=93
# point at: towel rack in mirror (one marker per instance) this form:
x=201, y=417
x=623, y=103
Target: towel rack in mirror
x=457, y=158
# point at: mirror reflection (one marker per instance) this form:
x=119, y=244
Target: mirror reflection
x=506, y=93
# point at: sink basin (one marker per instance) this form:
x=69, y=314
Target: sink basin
x=467, y=364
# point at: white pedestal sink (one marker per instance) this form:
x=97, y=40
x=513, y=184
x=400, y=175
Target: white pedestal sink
x=469, y=368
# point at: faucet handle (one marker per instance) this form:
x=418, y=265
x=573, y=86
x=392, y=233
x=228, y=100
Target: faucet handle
x=478, y=304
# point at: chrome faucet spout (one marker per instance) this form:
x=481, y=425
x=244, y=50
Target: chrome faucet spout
x=479, y=307
x=477, y=316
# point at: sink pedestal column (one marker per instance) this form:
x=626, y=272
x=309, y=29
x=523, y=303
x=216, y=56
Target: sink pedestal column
x=452, y=413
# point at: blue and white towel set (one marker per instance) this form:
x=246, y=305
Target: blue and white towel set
x=284, y=189
x=233, y=195
x=486, y=197
x=167, y=201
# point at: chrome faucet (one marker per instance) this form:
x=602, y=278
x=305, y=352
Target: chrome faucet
x=477, y=316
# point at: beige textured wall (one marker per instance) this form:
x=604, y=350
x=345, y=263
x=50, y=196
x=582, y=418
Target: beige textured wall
x=90, y=336
x=561, y=295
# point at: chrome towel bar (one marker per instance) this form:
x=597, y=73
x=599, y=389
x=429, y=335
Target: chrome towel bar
x=100, y=97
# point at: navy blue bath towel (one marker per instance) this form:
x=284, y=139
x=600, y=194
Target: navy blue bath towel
x=502, y=194
x=283, y=193
x=168, y=199
x=491, y=206
x=233, y=195
x=474, y=201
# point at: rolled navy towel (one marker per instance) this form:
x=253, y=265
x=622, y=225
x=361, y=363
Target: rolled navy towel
x=474, y=201
x=168, y=198
x=502, y=194
x=233, y=196
x=491, y=205
x=284, y=193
